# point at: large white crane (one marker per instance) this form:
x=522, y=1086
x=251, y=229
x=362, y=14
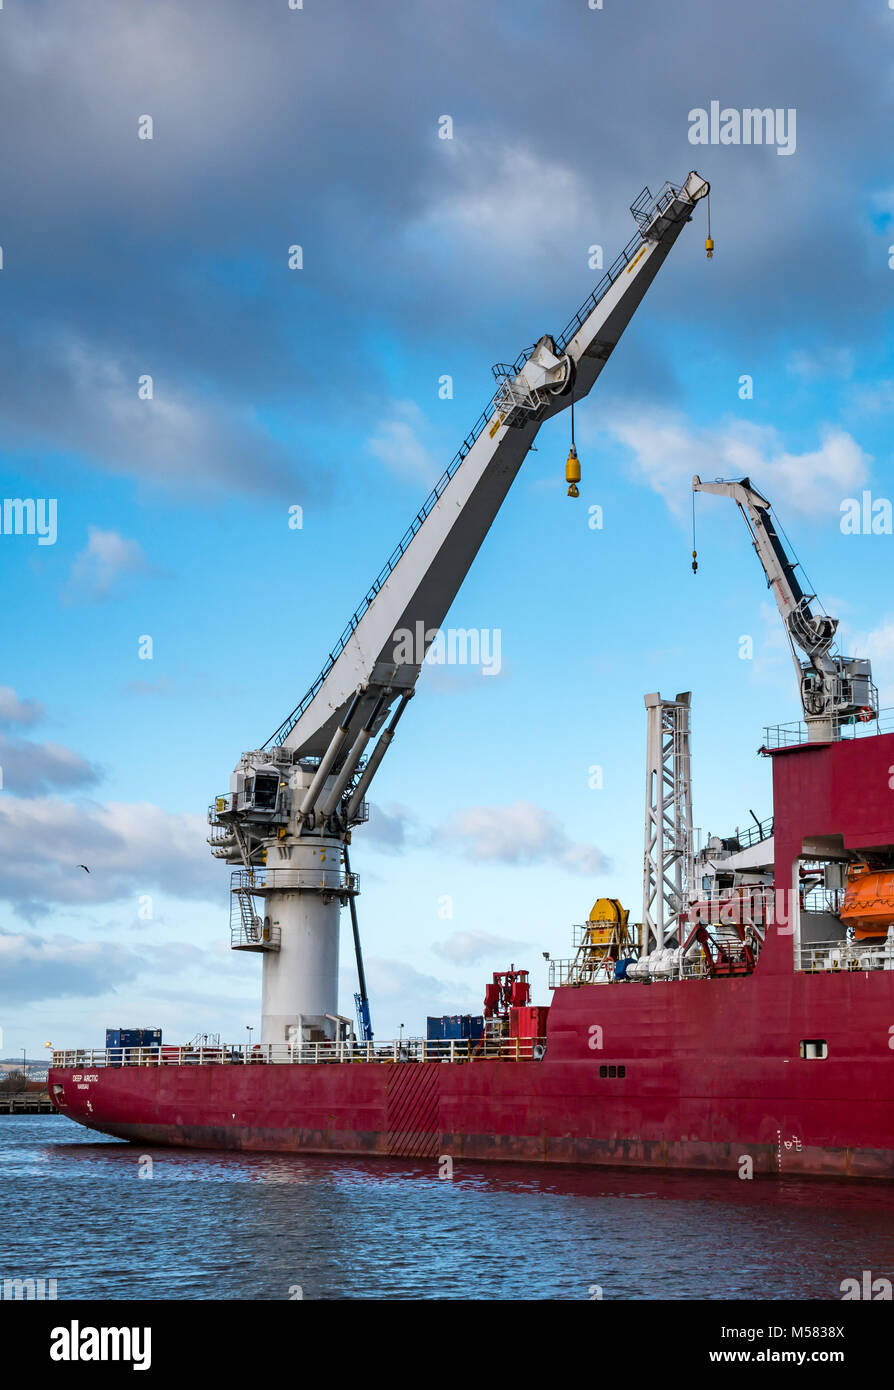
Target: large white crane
x=292, y=804
x=834, y=689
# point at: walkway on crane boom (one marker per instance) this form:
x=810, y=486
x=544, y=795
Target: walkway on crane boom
x=648, y=213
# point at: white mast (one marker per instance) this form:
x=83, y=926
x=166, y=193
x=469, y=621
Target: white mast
x=668, y=866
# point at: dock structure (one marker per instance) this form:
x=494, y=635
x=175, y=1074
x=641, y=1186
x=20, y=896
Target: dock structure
x=26, y=1103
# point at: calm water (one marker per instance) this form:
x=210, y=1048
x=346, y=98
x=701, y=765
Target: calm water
x=211, y=1226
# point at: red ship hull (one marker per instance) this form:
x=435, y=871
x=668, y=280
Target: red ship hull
x=713, y=1072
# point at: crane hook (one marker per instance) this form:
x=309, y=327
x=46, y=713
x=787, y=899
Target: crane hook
x=572, y=472
x=572, y=463
x=694, y=551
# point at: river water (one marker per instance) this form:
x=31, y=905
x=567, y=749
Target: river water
x=74, y=1208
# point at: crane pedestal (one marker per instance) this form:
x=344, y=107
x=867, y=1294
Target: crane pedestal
x=299, y=997
x=303, y=888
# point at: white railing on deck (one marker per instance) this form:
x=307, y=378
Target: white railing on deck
x=795, y=732
x=567, y=972
x=833, y=956
x=406, y=1050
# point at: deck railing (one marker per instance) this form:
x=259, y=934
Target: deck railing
x=267, y=1054
x=832, y=957
x=794, y=733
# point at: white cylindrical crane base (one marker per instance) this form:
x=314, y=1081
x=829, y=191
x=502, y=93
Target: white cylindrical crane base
x=300, y=980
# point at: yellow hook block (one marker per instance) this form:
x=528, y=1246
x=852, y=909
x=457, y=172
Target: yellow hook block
x=572, y=472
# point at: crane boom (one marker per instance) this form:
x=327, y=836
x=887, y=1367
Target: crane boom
x=418, y=585
x=288, y=816
x=833, y=688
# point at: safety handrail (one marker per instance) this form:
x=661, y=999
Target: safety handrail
x=266, y=1054
x=795, y=732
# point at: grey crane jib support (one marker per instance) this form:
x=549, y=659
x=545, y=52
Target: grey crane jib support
x=339, y=739
x=378, y=753
x=351, y=761
x=833, y=689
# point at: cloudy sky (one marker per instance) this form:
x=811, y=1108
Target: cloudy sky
x=273, y=387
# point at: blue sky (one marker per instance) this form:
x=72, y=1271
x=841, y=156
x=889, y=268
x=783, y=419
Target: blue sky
x=319, y=388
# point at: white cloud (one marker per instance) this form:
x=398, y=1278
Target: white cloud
x=521, y=833
x=393, y=981
x=129, y=850
x=182, y=437
x=33, y=966
x=822, y=362
x=513, y=202
x=33, y=768
x=467, y=947
x=666, y=451
x=399, y=447
x=875, y=399
x=392, y=830
x=60, y=967
x=107, y=559
x=16, y=711
x=163, y=686
x=815, y=483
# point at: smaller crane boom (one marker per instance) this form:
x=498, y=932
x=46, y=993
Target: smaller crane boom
x=834, y=689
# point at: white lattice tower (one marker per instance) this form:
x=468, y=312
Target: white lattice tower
x=668, y=864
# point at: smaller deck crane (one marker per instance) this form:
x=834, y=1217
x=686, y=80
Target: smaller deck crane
x=834, y=689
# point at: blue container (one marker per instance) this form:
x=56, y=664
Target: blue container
x=133, y=1037
x=455, y=1028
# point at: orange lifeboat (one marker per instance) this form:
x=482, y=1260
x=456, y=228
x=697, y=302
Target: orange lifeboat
x=868, y=904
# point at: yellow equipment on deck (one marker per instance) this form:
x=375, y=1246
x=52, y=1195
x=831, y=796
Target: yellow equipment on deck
x=606, y=939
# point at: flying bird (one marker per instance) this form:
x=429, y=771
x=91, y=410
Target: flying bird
x=84, y=867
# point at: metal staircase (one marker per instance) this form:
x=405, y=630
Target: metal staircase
x=248, y=930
